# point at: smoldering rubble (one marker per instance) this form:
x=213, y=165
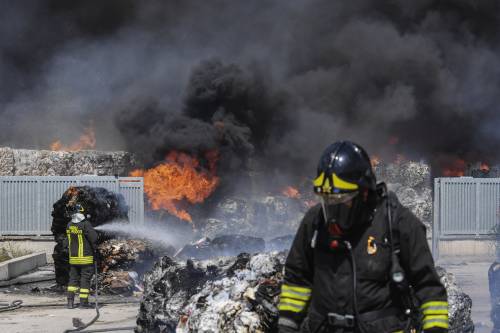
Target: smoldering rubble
x=209, y=287
x=238, y=294
x=122, y=263
x=276, y=214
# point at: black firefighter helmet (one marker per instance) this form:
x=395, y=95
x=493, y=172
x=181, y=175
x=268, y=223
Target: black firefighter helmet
x=78, y=208
x=346, y=184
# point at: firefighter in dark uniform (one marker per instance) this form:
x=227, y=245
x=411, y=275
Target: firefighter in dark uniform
x=82, y=241
x=360, y=261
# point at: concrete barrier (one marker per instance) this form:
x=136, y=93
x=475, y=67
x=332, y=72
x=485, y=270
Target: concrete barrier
x=32, y=244
x=14, y=267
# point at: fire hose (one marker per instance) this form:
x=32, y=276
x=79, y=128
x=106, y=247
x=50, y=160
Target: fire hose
x=80, y=326
x=18, y=304
x=77, y=323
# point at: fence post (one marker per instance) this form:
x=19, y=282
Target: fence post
x=141, y=202
x=2, y=222
x=478, y=211
x=39, y=206
x=436, y=210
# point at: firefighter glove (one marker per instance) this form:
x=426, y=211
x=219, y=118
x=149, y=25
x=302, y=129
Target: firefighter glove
x=287, y=325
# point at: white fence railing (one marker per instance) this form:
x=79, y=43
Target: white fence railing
x=26, y=201
x=464, y=208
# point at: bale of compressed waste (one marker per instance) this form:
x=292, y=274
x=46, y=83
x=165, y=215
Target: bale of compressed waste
x=102, y=206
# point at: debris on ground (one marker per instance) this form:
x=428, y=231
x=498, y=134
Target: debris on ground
x=121, y=264
x=124, y=254
x=229, y=294
x=226, y=245
x=459, y=304
x=237, y=294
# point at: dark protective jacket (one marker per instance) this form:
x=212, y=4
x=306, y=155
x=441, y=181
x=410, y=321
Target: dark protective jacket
x=82, y=242
x=319, y=280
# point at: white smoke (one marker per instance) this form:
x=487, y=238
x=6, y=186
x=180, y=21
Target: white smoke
x=152, y=231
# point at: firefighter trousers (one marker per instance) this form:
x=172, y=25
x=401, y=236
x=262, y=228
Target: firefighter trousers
x=79, y=279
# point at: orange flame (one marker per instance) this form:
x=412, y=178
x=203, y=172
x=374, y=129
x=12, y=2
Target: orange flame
x=456, y=169
x=291, y=192
x=179, y=178
x=484, y=167
x=86, y=141
x=375, y=161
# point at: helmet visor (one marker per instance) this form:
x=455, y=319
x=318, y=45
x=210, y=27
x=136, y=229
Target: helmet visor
x=337, y=198
x=337, y=208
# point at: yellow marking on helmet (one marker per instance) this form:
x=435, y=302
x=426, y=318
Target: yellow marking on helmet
x=327, y=188
x=319, y=180
x=342, y=184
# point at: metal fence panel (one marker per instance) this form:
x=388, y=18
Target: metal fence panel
x=26, y=201
x=489, y=205
x=465, y=208
x=13, y=193
x=458, y=206
x=129, y=187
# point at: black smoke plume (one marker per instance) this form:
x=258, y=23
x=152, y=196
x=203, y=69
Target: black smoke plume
x=267, y=82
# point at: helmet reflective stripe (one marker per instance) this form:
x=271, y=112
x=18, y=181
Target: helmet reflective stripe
x=322, y=184
x=318, y=182
x=342, y=184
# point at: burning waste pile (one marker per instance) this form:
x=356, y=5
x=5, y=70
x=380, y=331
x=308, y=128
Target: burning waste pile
x=121, y=263
x=215, y=285
x=261, y=216
x=116, y=257
x=280, y=214
x=238, y=294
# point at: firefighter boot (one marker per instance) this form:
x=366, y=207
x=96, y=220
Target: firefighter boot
x=84, y=303
x=71, y=300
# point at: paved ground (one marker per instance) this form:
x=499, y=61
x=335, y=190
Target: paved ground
x=59, y=319
x=472, y=277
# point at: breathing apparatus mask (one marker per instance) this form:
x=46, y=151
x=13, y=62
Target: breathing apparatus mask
x=78, y=214
x=348, y=210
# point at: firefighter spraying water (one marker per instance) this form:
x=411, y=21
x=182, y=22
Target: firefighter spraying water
x=82, y=245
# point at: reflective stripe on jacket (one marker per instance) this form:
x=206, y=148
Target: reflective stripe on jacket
x=82, y=240
x=328, y=273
